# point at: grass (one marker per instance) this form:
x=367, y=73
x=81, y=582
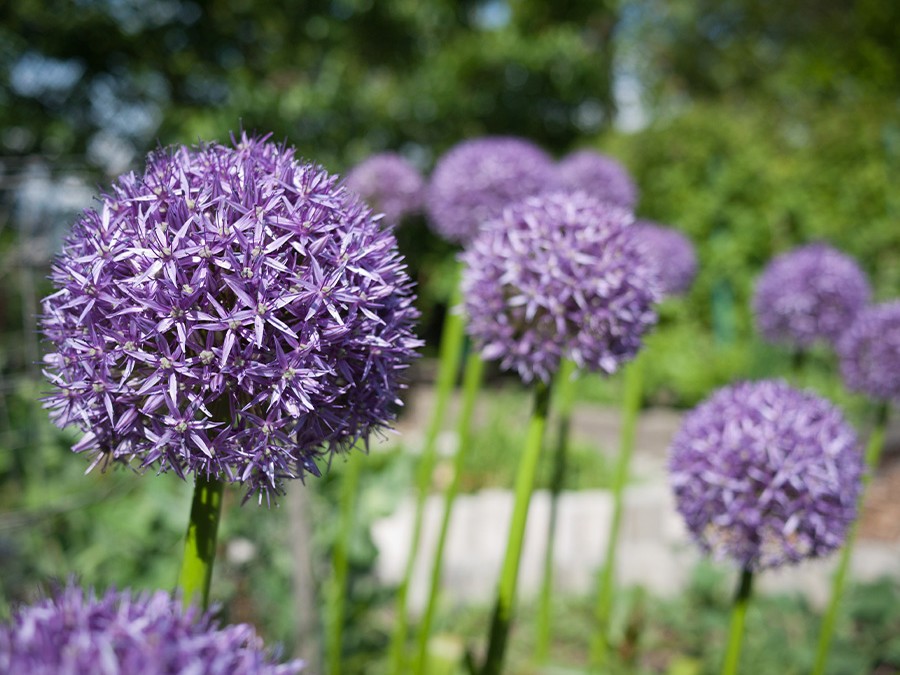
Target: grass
x=685, y=635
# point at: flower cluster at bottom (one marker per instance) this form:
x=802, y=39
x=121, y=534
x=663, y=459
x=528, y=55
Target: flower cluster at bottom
x=124, y=634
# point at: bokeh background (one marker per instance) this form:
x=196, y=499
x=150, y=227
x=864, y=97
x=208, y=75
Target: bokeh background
x=750, y=126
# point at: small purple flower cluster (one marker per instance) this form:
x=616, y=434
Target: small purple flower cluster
x=810, y=293
x=672, y=255
x=766, y=475
x=558, y=276
x=389, y=184
x=121, y=634
x=231, y=312
x=870, y=352
x=476, y=179
x=598, y=175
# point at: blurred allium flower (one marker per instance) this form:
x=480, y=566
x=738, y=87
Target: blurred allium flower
x=475, y=179
x=672, y=255
x=389, y=184
x=558, y=275
x=810, y=293
x=870, y=352
x=765, y=474
x=598, y=175
x=232, y=312
x=124, y=634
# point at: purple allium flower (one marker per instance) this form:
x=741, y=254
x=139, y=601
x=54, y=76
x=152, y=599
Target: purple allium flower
x=598, y=175
x=232, y=312
x=672, y=255
x=475, y=179
x=124, y=634
x=389, y=184
x=765, y=474
x=558, y=275
x=810, y=293
x=870, y=352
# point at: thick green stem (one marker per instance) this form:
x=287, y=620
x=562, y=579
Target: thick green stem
x=736, y=632
x=340, y=563
x=471, y=384
x=630, y=409
x=506, y=593
x=564, y=393
x=873, y=455
x=200, y=541
x=451, y=349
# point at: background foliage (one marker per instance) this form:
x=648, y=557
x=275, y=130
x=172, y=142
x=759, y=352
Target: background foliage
x=752, y=126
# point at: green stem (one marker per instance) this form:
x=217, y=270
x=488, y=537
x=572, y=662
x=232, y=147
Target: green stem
x=340, y=563
x=564, y=393
x=873, y=455
x=471, y=384
x=799, y=359
x=630, y=409
x=509, y=574
x=200, y=541
x=451, y=349
x=736, y=632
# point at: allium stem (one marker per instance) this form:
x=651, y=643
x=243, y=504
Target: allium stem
x=564, y=391
x=506, y=593
x=873, y=455
x=799, y=359
x=471, y=384
x=630, y=408
x=200, y=541
x=736, y=632
x=452, y=343
x=340, y=563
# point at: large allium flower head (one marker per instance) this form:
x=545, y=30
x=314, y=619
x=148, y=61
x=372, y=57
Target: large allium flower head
x=231, y=312
x=808, y=294
x=388, y=183
x=597, y=174
x=870, y=352
x=558, y=275
x=672, y=255
x=124, y=634
x=766, y=475
x=475, y=179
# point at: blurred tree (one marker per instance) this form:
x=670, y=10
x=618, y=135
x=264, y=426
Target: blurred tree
x=338, y=78
x=795, y=50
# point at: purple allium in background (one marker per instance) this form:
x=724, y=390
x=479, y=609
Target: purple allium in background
x=810, y=293
x=672, y=255
x=870, y=352
x=232, y=312
x=558, y=276
x=124, y=634
x=598, y=175
x=389, y=184
x=765, y=474
x=475, y=179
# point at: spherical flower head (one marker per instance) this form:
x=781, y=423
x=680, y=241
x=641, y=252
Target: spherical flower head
x=808, y=294
x=560, y=275
x=671, y=254
x=766, y=475
x=232, y=312
x=597, y=174
x=124, y=634
x=390, y=184
x=870, y=352
x=475, y=179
